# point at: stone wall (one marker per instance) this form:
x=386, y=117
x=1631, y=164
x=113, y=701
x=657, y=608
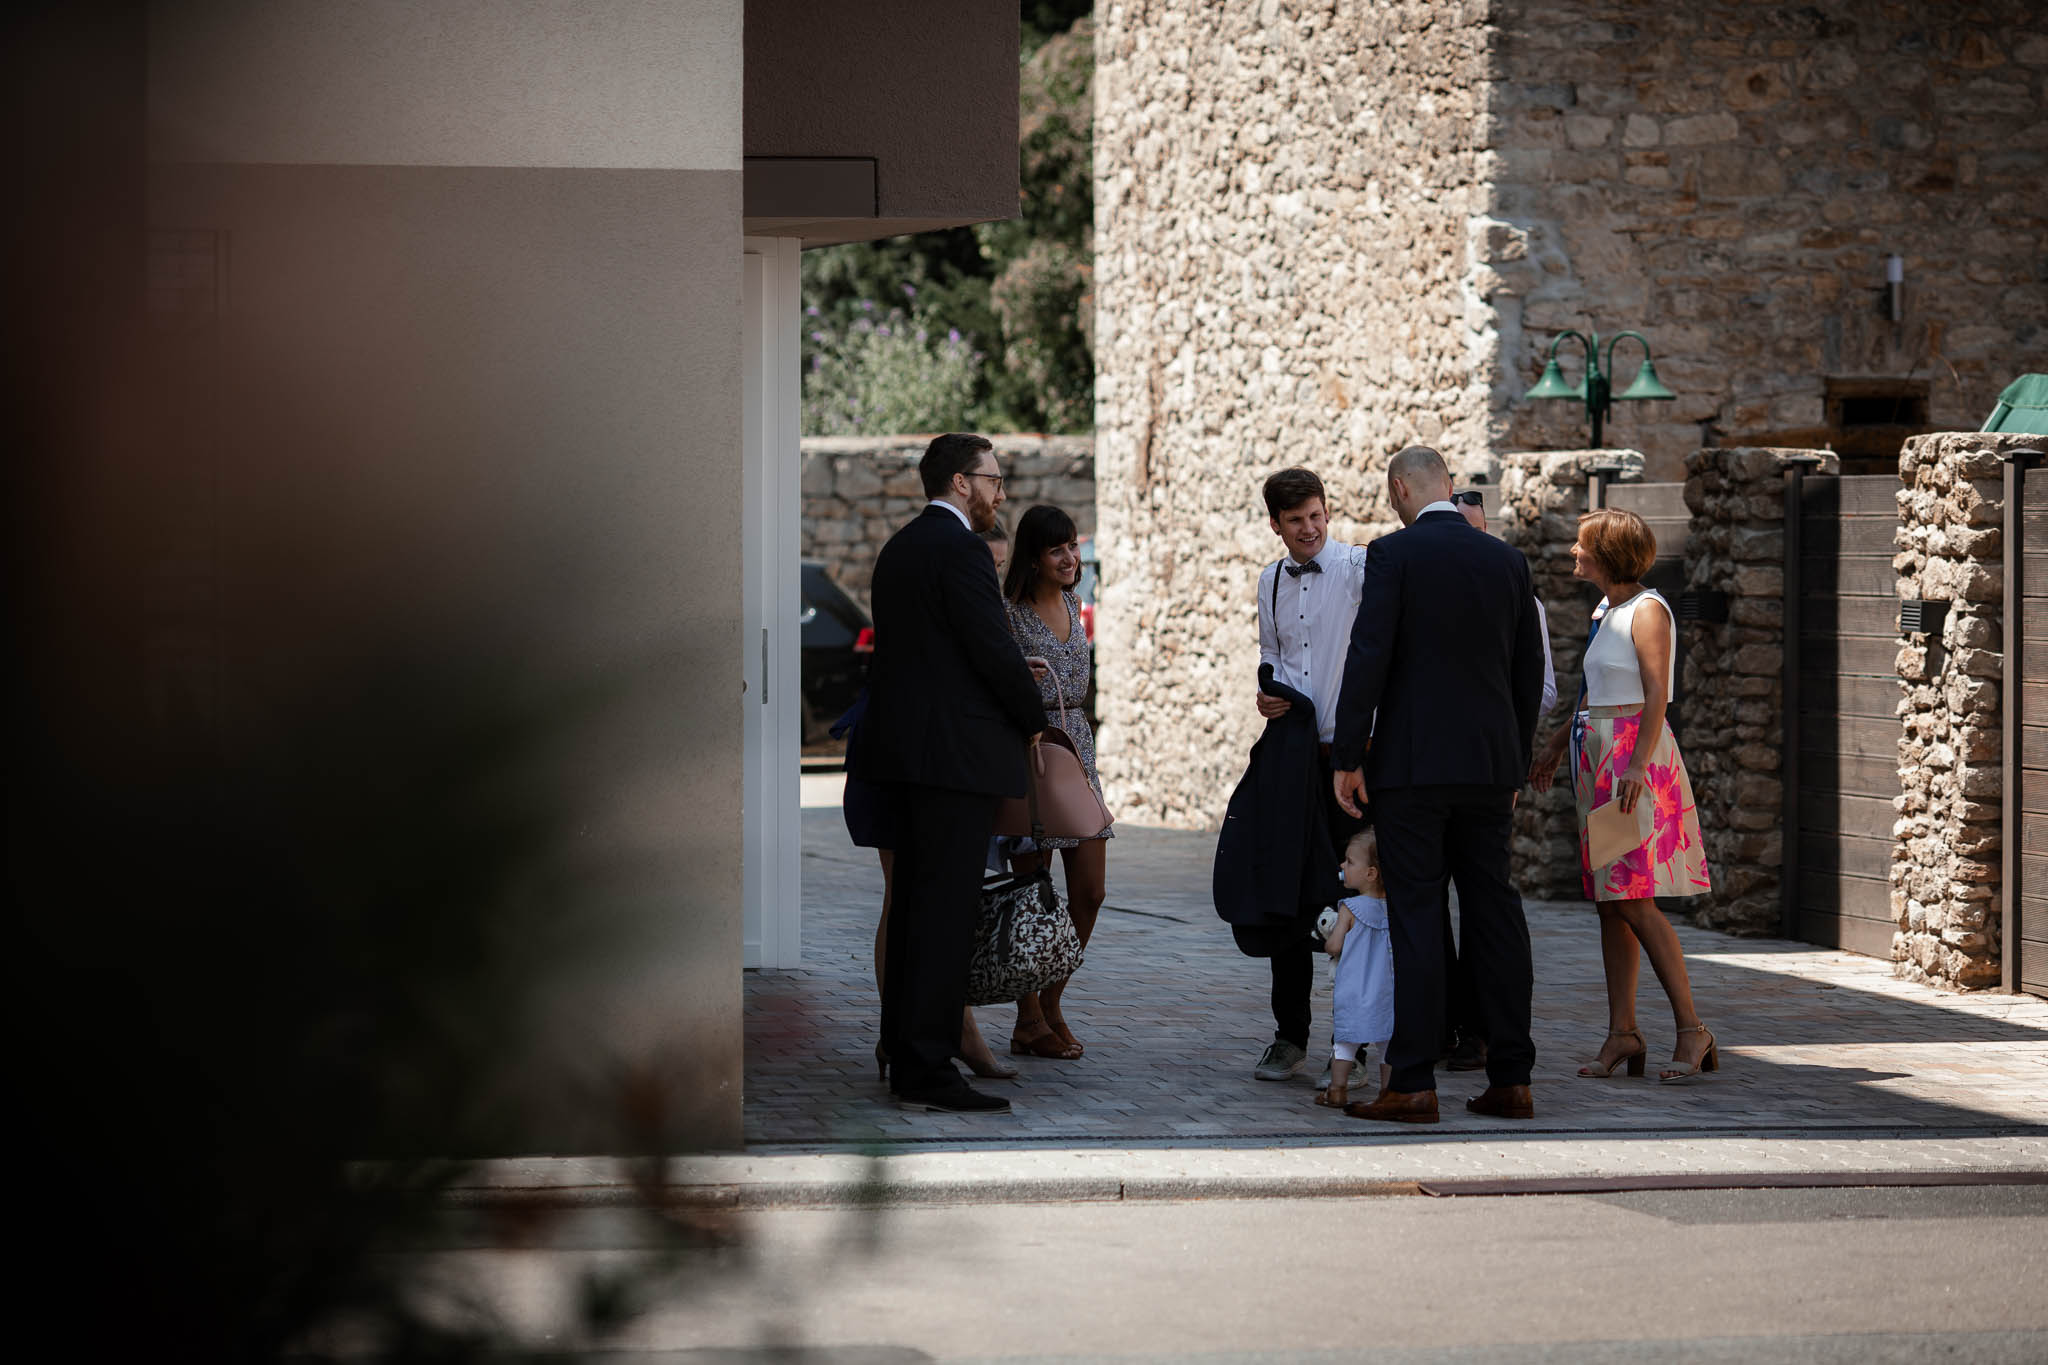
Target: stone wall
x=1324, y=231
x=1284, y=196
x=1945, y=873
x=1729, y=177
x=1732, y=715
x=857, y=490
x=1541, y=497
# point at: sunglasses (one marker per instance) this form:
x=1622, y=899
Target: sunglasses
x=1471, y=498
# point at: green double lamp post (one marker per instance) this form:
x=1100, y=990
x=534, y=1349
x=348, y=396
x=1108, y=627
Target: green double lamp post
x=1594, y=389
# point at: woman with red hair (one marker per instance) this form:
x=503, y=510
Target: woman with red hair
x=1623, y=751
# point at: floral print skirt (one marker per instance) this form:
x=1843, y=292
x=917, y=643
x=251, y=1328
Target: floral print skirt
x=1674, y=861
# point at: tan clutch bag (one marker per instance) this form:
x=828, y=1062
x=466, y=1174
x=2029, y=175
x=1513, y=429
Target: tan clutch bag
x=1058, y=801
x=1612, y=834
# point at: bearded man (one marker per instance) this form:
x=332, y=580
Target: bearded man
x=951, y=709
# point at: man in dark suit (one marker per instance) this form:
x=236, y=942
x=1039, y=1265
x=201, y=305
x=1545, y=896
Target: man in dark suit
x=951, y=708
x=1445, y=677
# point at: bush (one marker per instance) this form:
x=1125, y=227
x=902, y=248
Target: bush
x=886, y=373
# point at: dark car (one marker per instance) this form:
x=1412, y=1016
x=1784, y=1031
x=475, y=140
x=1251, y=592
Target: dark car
x=838, y=640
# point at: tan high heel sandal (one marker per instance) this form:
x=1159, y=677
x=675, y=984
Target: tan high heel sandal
x=1634, y=1059
x=1710, y=1060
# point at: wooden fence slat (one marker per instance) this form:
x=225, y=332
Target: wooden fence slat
x=1869, y=494
x=1848, y=656
x=1823, y=697
x=2034, y=747
x=1852, y=736
x=1860, y=775
x=1827, y=538
x=1872, y=938
x=2033, y=835
x=1864, y=815
x=1845, y=894
x=1650, y=501
x=1862, y=576
x=1856, y=857
x=2034, y=527
x=1850, y=616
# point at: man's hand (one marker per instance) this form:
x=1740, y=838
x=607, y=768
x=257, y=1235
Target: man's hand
x=1350, y=785
x=1272, y=708
x=1543, y=772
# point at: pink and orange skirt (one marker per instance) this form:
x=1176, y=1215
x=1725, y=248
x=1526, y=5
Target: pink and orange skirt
x=1674, y=861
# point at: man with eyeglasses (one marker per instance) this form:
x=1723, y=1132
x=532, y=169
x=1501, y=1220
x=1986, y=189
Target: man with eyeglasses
x=951, y=706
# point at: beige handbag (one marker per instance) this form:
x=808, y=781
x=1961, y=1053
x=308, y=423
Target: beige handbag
x=1066, y=804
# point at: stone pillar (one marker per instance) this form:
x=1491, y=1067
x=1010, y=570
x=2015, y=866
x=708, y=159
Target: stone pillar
x=1945, y=869
x=1542, y=494
x=1731, y=720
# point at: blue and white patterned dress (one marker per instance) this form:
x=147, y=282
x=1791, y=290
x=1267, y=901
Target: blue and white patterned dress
x=1071, y=663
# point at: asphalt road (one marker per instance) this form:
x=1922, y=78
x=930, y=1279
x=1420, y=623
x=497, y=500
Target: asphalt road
x=1872, y=1276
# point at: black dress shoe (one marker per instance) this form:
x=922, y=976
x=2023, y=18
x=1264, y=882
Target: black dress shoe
x=1468, y=1055
x=959, y=1098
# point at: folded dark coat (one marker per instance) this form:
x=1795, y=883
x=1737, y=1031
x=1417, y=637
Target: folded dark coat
x=1274, y=868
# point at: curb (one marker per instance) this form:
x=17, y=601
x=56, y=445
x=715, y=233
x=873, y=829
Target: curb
x=1442, y=1169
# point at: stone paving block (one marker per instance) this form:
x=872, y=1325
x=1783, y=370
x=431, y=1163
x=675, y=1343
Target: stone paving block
x=1813, y=1040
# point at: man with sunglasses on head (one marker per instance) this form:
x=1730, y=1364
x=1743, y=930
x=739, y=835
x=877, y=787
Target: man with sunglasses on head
x=1464, y=1036
x=1442, y=690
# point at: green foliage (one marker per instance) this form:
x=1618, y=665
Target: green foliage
x=886, y=373
x=1019, y=293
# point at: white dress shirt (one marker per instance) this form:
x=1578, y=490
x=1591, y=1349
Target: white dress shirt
x=1307, y=638
x=1549, y=669
x=941, y=502
x=1542, y=620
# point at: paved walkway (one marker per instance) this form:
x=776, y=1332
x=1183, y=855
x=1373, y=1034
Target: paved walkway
x=1819, y=1047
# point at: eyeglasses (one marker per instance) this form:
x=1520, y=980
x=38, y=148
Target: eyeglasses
x=1471, y=498
x=997, y=477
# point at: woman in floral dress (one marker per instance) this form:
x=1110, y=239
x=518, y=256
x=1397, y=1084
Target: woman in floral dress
x=1628, y=689
x=1045, y=616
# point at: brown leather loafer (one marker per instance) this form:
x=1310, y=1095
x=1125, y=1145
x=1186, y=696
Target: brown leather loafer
x=1397, y=1106
x=1504, y=1102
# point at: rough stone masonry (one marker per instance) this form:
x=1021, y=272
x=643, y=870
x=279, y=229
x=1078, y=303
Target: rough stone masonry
x=1326, y=230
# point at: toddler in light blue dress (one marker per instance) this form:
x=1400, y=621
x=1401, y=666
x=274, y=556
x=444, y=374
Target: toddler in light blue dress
x=1364, y=993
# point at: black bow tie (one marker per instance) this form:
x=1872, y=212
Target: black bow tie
x=1297, y=570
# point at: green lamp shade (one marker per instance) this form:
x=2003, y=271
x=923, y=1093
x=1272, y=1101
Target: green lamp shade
x=1552, y=384
x=1646, y=384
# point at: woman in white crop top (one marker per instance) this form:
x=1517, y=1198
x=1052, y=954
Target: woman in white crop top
x=1629, y=686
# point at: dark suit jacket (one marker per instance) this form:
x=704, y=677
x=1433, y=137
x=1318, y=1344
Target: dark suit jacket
x=1447, y=650
x=1274, y=865
x=950, y=700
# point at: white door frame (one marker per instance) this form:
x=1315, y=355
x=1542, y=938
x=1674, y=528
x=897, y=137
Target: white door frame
x=770, y=548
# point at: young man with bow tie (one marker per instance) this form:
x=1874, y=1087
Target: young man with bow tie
x=1307, y=599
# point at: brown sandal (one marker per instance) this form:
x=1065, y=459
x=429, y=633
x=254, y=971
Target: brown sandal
x=1046, y=1044
x=1323, y=1098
